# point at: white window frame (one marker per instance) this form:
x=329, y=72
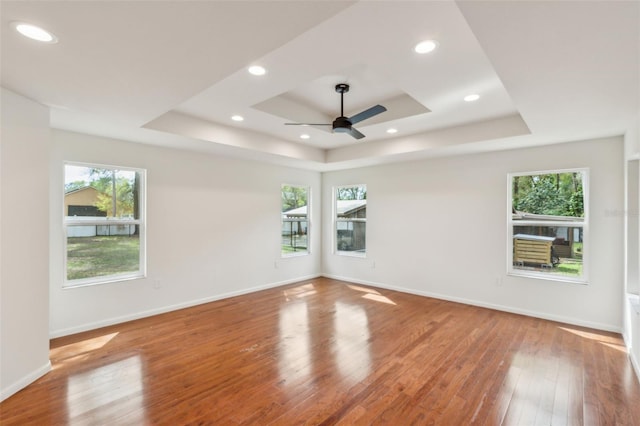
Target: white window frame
x=141, y=222
x=308, y=220
x=337, y=220
x=584, y=279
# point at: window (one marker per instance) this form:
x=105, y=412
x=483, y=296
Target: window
x=547, y=216
x=295, y=220
x=103, y=224
x=351, y=219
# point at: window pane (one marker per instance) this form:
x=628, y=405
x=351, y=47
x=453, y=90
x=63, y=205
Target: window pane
x=351, y=214
x=548, y=249
x=295, y=224
x=351, y=236
x=101, y=192
x=548, y=222
x=294, y=236
x=102, y=250
x=99, y=246
x=551, y=194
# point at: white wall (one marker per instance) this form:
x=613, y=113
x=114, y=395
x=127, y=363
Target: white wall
x=24, y=242
x=213, y=231
x=438, y=227
x=632, y=140
x=631, y=298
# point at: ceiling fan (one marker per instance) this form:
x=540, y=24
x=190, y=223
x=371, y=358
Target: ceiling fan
x=344, y=124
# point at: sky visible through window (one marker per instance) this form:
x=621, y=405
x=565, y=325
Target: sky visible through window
x=83, y=174
x=76, y=173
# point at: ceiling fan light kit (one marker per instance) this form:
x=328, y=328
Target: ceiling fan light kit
x=344, y=124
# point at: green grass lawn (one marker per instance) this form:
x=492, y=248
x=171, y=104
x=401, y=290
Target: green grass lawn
x=289, y=249
x=294, y=243
x=89, y=257
x=574, y=269
x=577, y=250
x=568, y=267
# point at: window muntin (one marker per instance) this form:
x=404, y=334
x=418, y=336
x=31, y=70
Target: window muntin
x=103, y=224
x=295, y=220
x=547, y=224
x=350, y=207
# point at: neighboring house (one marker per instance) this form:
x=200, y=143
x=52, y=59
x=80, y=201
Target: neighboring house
x=297, y=212
x=352, y=209
x=294, y=221
x=351, y=234
x=82, y=202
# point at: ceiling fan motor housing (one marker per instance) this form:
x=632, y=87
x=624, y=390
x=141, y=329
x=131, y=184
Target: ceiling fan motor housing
x=341, y=125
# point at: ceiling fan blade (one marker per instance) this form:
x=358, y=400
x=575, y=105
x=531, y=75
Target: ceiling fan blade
x=307, y=124
x=356, y=134
x=367, y=113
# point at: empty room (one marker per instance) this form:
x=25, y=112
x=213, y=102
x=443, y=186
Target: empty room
x=320, y=212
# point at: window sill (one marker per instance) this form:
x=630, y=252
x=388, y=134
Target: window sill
x=299, y=254
x=548, y=277
x=351, y=254
x=88, y=282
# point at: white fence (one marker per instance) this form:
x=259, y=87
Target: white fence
x=93, y=230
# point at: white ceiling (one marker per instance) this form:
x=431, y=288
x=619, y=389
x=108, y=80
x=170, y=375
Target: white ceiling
x=172, y=73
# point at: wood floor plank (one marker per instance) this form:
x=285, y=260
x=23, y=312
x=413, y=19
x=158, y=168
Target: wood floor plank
x=326, y=352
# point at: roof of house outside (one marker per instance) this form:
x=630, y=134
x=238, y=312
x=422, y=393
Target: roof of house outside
x=298, y=211
x=343, y=207
x=74, y=190
x=533, y=237
x=518, y=215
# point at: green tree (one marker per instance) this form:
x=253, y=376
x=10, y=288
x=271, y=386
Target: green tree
x=293, y=197
x=352, y=193
x=576, y=203
x=116, y=190
x=123, y=200
x=558, y=194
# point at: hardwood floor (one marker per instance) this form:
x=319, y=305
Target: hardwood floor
x=325, y=352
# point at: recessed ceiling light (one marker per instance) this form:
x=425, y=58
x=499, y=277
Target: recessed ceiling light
x=237, y=118
x=304, y=136
x=34, y=32
x=426, y=46
x=257, y=70
x=392, y=130
x=472, y=97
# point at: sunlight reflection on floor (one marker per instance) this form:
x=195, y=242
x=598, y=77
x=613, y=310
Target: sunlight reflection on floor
x=378, y=298
x=294, y=347
x=300, y=291
x=609, y=341
x=74, y=351
x=97, y=389
x=617, y=347
x=362, y=289
x=371, y=294
x=352, y=351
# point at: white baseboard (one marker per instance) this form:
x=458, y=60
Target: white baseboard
x=25, y=381
x=634, y=310
x=534, y=314
x=124, y=318
x=164, y=309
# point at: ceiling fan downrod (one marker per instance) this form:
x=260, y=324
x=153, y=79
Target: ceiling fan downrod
x=342, y=88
